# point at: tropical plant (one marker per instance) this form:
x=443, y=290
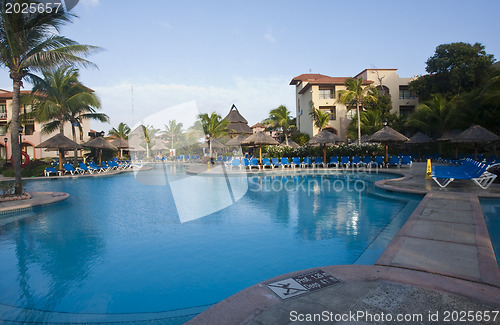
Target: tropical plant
x=355, y=95
x=279, y=118
x=320, y=118
x=434, y=117
x=121, y=132
x=173, y=131
x=29, y=43
x=213, y=126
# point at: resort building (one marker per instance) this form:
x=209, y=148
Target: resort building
x=322, y=92
x=30, y=134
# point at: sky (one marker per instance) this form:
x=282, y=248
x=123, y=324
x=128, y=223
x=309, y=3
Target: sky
x=159, y=54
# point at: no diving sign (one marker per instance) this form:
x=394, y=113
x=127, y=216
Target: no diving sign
x=300, y=284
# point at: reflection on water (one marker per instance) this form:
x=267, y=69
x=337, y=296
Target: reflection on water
x=118, y=245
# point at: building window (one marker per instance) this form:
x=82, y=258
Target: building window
x=330, y=110
x=325, y=93
x=29, y=129
x=3, y=110
x=406, y=93
x=3, y=128
x=383, y=90
x=406, y=111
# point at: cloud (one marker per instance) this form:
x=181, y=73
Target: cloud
x=90, y=3
x=269, y=37
x=254, y=97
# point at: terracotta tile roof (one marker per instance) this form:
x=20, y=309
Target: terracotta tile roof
x=8, y=94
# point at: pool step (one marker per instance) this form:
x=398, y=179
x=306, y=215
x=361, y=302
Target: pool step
x=380, y=243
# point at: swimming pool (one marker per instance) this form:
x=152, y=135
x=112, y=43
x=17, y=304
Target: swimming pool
x=127, y=244
x=491, y=212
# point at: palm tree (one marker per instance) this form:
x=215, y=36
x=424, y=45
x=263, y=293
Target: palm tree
x=320, y=118
x=355, y=95
x=122, y=132
x=149, y=135
x=280, y=118
x=28, y=43
x=60, y=97
x=433, y=117
x=213, y=126
x=173, y=130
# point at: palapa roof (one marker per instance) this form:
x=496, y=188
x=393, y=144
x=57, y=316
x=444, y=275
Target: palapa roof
x=216, y=144
x=476, y=134
x=99, y=143
x=236, y=141
x=324, y=137
x=59, y=142
x=387, y=134
x=291, y=144
x=260, y=138
x=159, y=146
x=449, y=135
x=237, y=123
x=120, y=143
x=419, y=137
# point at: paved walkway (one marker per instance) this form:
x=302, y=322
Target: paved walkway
x=440, y=262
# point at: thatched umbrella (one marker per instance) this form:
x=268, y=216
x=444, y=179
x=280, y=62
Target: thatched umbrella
x=59, y=143
x=419, y=138
x=291, y=144
x=476, y=134
x=387, y=135
x=260, y=139
x=120, y=144
x=324, y=138
x=159, y=146
x=236, y=141
x=99, y=143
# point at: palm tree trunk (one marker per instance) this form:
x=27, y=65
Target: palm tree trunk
x=210, y=150
x=14, y=135
x=359, y=124
x=286, y=138
x=75, y=152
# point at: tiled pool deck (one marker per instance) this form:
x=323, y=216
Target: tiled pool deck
x=441, y=263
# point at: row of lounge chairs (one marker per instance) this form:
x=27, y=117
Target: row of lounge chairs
x=469, y=169
x=344, y=162
x=89, y=168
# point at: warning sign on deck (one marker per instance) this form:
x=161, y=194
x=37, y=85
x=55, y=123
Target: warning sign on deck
x=300, y=284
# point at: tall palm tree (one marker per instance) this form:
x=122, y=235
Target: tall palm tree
x=354, y=95
x=173, y=131
x=121, y=132
x=280, y=118
x=320, y=118
x=60, y=97
x=29, y=43
x=213, y=126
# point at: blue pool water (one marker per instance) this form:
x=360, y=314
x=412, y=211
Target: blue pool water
x=491, y=212
x=125, y=244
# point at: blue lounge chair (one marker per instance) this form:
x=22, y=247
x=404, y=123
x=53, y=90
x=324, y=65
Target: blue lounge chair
x=254, y=163
x=285, y=162
x=94, y=167
x=468, y=170
x=235, y=163
x=318, y=161
x=85, y=168
x=296, y=162
x=68, y=168
x=356, y=160
x=306, y=162
x=406, y=161
x=368, y=162
x=393, y=161
x=245, y=162
x=379, y=161
x=51, y=170
x=334, y=161
x=344, y=161
x=275, y=162
x=266, y=162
